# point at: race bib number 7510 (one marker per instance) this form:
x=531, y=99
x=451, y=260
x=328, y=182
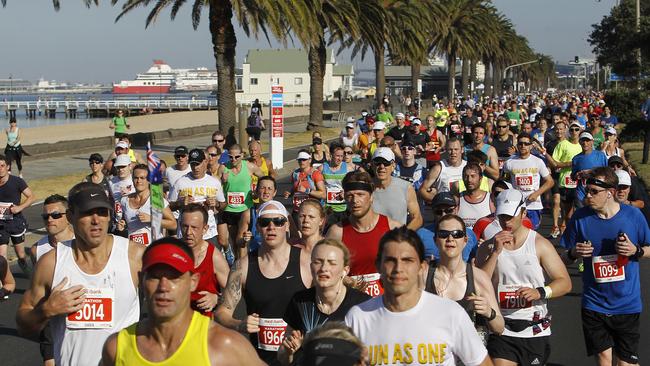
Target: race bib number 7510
x=97, y=310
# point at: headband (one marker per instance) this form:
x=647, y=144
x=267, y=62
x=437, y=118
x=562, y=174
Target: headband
x=358, y=186
x=599, y=183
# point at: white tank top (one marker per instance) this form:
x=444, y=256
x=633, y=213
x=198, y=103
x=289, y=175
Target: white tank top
x=515, y=269
x=139, y=231
x=449, y=175
x=616, y=152
x=471, y=212
x=43, y=246
x=111, y=305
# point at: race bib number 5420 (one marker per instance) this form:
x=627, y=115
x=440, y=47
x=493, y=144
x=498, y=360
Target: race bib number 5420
x=97, y=310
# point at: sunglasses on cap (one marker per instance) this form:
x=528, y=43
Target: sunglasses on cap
x=444, y=234
x=266, y=221
x=381, y=162
x=55, y=215
x=448, y=210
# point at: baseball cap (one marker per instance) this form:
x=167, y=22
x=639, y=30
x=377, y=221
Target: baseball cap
x=510, y=202
x=384, y=153
x=615, y=159
x=399, y=115
x=575, y=123
x=586, y=135
x=122, y=145
x=86, y=196
x=316, y=140
x=379, y=125
x=443, y=199
x=349, y=125
x=350, y=120
x=331, y=352
x=122, y=160
x=196, y=156
x=180, y=150
x=303, y=155
x=272, y=207
x=611, y=131
x=364, y=113
x=96, y=157
x=416, y=121
x=169, y=254
x=624, y=178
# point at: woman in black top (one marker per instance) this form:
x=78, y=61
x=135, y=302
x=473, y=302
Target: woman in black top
x=329, y=299
x=456, y=280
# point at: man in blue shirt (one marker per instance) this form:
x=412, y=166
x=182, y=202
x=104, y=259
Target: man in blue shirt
x=610, y=238
x=583, y=163
x=444, y=204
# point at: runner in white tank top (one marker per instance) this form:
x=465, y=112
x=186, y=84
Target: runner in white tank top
x=472, y=212
x=516, y=259
x=474, y=203
x=444, y=176
x=56, y=224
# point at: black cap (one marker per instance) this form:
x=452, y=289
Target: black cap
x=180, y=150
x=408, y=142
x=615, y=159
x=331, y=352
x=86, y=196
x=196, y=156
x=96, y=157
x=443, y=199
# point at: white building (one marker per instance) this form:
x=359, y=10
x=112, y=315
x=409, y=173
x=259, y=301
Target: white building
x=289, y=68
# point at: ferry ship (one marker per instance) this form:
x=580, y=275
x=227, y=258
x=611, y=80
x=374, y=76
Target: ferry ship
x=161, y=78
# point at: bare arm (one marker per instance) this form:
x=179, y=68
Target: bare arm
x=255, y=169
x=492, y=170
x=553, y=266
x=109, y=352
x=427, y=191
x=221, y=268
x=319, y=192
x=227, y=347
x=413, y=209
x=485, y=289
x=29, y=199
x=231, y=295
x=135, y=261
x=336, y=232
x=168, y=220
x=7, y=279
x=272, y=171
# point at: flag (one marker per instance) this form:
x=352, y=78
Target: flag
x=156, y=188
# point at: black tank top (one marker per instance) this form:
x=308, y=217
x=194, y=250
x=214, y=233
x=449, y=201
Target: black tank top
x=502, y=146
x=317, y=161
x=430, y=286
x=269, y=297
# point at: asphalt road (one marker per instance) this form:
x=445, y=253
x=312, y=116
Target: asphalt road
x=567, y=345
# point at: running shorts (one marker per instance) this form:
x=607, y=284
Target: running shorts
x=619, y=332
x=13, y=229
x=523, y=351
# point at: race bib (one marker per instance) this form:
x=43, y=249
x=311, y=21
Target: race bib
x=140, y=237
x=524, y=182
x=271, y=334
x=508, y=298
x=5, y=211
x=97, y=310
x=373, y=283
x=569, y=183
x=513, y=122
x=236, y=199
x=606, y=269
x=335, y=195
x=455, y=128
x=468, y=129
x=298, y=199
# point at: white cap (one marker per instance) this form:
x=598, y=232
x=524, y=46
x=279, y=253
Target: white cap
x=510, y=202
x=122, y=145
x=399, y=115
x=272, y=207
x=586, y=135
x=364, y=113
x=122, y=160
x=303, y=155
x=379, y=125
x=416, y=121
x=384, y=153
x=350, y=120
x=611, y=131
x=623, y=178
x=349, y=125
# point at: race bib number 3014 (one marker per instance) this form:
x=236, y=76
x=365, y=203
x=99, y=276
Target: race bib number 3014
x=271, y=333
x=97, y=310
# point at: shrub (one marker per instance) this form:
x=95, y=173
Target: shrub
x=626, y=105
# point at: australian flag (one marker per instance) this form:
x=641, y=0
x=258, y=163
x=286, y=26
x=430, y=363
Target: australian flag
x=153, y=163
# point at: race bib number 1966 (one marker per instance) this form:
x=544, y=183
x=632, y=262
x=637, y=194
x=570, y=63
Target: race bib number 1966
x=271, y=333
x=97, y=310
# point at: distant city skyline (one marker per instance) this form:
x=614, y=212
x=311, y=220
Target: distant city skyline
x=78, y=44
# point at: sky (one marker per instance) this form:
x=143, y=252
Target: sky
x=79, y=44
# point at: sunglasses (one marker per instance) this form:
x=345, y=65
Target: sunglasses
x=502, y=126
x=622, y=187
x=94, y=162
x=456, y=234
x=381, y=162
x=523, y=143
x=218, y=141
x=213, y=154
x=266, y=221
x=349, y=152
x=408, y=148
x=55, y=215
x=593, y=191
x=234, y=157
x=180, y=156
x=574, y=129
x=448, y=211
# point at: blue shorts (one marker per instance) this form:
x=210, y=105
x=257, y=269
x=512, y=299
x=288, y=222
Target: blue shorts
x=535, y=217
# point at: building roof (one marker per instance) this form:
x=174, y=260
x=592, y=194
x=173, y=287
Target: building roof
x=404, y=72
x=265, y=61
x=342, y=70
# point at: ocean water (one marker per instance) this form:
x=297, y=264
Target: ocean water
x=60, y=119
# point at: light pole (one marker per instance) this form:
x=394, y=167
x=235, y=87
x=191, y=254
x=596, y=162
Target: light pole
x=505, y=71
x=11, y=88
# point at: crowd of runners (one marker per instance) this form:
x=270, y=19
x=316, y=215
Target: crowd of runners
x=410, y=239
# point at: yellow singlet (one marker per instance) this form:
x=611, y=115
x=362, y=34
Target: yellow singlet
x=485, y=185
x=192, y=351
x=265, y=169
x=132, y=156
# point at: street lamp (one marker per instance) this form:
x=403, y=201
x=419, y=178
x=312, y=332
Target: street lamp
x=516, y=65
x=11, y=88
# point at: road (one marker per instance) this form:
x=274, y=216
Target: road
x=567, y=345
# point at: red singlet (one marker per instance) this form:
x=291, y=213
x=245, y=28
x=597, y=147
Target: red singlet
x=207, y=281
x=364, y=246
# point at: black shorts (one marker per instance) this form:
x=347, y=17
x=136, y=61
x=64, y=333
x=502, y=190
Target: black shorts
x=254, y=132
x=568, y=195
x=231, y=218
x=119, y=135
x=14, y=229
x=619, y=332
x=45, y=343
x=523, y=351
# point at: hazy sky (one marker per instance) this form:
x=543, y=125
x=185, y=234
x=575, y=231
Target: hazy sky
x=80, y=44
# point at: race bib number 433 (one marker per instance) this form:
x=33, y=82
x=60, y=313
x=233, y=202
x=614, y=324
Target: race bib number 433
x=606, y=269
x=97, y=310
x=271, y=333
x=236, y=198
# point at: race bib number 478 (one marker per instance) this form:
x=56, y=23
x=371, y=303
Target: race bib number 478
x=97, y=310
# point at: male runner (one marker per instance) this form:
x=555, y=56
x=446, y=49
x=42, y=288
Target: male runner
x=504, y=141
x=446, y=175
x=13, y=224
x=393, y=197
x=407, y=168
x=610, y=238
x=210, y=264
x=362, y=230
x=478, y=143
x=584, y=162
x=121, y=184
x=255, y=152
x=517, y=260
x=400, y=129
x=181, y=168
x=86, y=290
x=474, y=203
x=173, y=333
x=267, y=278
x=406, y=325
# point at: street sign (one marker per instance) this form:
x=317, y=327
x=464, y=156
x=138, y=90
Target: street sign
x=614, y=77
x=277, y=125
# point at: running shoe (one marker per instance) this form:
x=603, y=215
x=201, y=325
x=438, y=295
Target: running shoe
x=555, y=232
